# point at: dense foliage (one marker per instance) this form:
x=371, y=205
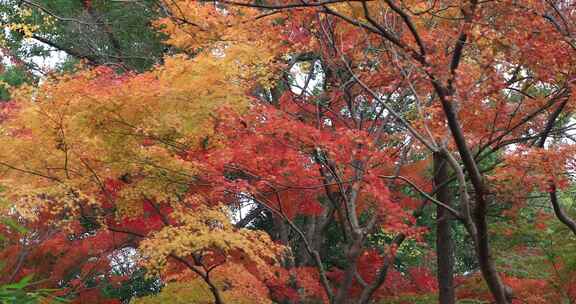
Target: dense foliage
x=289, y=152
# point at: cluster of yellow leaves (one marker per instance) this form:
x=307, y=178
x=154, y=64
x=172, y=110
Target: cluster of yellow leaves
x=26, y=29
x=96, y=125
x=84, y=129
x=29, y=23
x=236, y=284
x=229, y=33
x=356, y=9
x=205, y=230
x=4, y=84
x=60, y=199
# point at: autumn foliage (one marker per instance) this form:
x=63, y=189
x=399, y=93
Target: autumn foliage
x=305, y=152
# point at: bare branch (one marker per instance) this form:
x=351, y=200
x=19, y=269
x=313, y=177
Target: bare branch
x=424, y=194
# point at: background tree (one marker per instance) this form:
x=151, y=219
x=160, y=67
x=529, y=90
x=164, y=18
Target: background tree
x=115, y=33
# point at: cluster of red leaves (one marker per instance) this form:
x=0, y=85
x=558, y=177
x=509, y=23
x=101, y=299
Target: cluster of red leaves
x=414, y=281
x=56, y=258
x=7, y=109
x=534, y=169
x=151, y=219
x=296, y=285
x=275, y=157
x=525, y=290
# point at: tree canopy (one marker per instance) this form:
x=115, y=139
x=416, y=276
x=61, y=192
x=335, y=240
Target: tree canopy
x=324, y=151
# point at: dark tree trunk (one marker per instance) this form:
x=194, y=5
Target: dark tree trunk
x=444, y=242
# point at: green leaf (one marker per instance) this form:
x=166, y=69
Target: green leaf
x=14, y=225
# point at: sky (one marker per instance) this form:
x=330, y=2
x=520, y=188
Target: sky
x=46, y=64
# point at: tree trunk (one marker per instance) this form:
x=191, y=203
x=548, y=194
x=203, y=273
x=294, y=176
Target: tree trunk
x=444, y=242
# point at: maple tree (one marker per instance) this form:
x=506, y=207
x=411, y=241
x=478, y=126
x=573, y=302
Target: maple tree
x=338, y=136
